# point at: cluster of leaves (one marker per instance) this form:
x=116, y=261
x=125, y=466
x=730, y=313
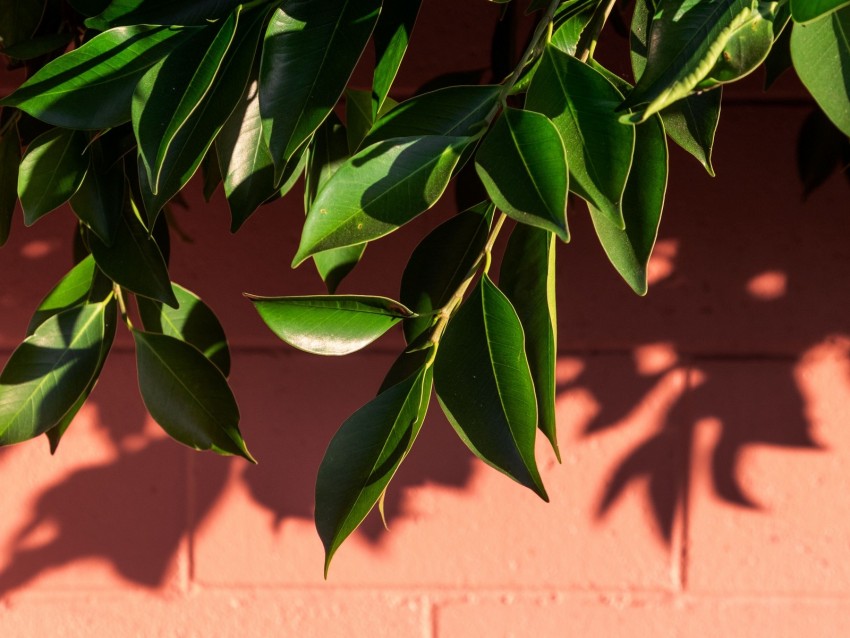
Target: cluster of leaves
x=126, y=100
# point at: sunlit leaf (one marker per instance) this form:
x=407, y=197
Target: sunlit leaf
x=358, y=117
x=75, y=288
x=168, y=12
x=808, y=10
x=392, y=35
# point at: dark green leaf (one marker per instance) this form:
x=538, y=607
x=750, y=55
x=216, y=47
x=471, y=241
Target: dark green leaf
x=73, y=289
x=19, y=20
x=89, y=7
x=211, y=173
x=392, y=35
x=527, y=277
x=134, y=261
x=51, y=171
x=91, y=87
x=808, y=10
x=779, y=59
x=523, y=165
x=309, y=52
x=48, y=372
x=439, y=265
x=100, y=199
x=10, y=160
x=821, y=150
x=581, y=102
x=379, y=189
x=821, y=54
x=331, y=324
x=171, y=90
x=453, y=111
x=358, y=117
x=168, y=12
x=187, y=395
x=363, y=456
x=484, y=385
x=38, y=46
x=193, y=322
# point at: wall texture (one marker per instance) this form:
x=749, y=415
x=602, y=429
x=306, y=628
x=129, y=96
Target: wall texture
x=704, y=432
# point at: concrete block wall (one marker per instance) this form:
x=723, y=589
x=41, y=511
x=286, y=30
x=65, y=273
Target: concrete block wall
x=704, y=433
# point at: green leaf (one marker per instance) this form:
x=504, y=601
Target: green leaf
x=809, y=10
x=38, y=46
x=330, y=324
x=49, y=371
x=523, y=165
x=100, y=199
x=89, y=7
x=55, y=434
x=690, y=122
x=527, y=277
x=392, y=36
x=193, y=322
x=134, y=261
x=211, y=173
x=10, y=160
x=363, y=456
x=568, y=33
x=484, y=385
x=309, y=53
x=187, y=395
x=452, y=111
x=821, y=54
x=581, y=102
x=74, y=289
x=439, y=265
x=779, y=59
x=171, y=90
x=51, y=171
x=168, y=12
x=358, y=117
x=328, y=151
x=381, y=188
x=19, y=19
x=91, y=87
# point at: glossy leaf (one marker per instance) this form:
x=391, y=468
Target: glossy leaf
x=358, y=117
x=100, y=199
x=74, y=289
x=10, y=159
x=171, y=90
x=581, y=102
x=523, y=165
x=134, y=261
x=809, y=10
x=192, y=321
x=45, y=376
x=363, y=456
x=527, y=277
x=568, y=33
x=332, y=324
x=309, y=52
x=51, y=171
x=168, y=12
x=690, y=122
x=821, y=54
x=379, y=189
x=440, y=263
x=187, y=395
x=91, y=87
x=453, y=111
x=392, y=35
x=484, y=385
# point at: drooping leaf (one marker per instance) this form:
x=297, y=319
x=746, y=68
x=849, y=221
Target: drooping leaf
x=187, y=395
x=523, y=165
x=363, y=456
x=134, y=261
x=484, y=385
x=172, y=89
x=309, y=52
x=392, y=35
x=821, y=54
x=193, y=322
x=19, y=20
x=91, y=87
x=10, y=160
x=48, y=372
x=452, y=111
x=379, y=189
x=358, y=117
x=821, y=150
x=211, y=173
x=74, y=289
x=527, y=277
x=808, y=10
x=51, y=171
x=100, y=199
x=167, y=12
x=38, y=46
x=440, y=263
x=690, y=122
x=331, y=324
x=581, y=102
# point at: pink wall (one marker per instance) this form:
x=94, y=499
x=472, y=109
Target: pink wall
x=703, y=429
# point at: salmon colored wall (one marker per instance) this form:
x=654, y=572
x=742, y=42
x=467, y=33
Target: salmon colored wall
x=704, y=429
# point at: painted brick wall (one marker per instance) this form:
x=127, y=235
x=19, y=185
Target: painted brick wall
x=704, y=431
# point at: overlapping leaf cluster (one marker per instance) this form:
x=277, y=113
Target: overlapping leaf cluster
x=126, y=100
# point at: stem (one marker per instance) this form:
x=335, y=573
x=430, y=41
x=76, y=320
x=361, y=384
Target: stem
x=122, y=305
x=587, y=41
